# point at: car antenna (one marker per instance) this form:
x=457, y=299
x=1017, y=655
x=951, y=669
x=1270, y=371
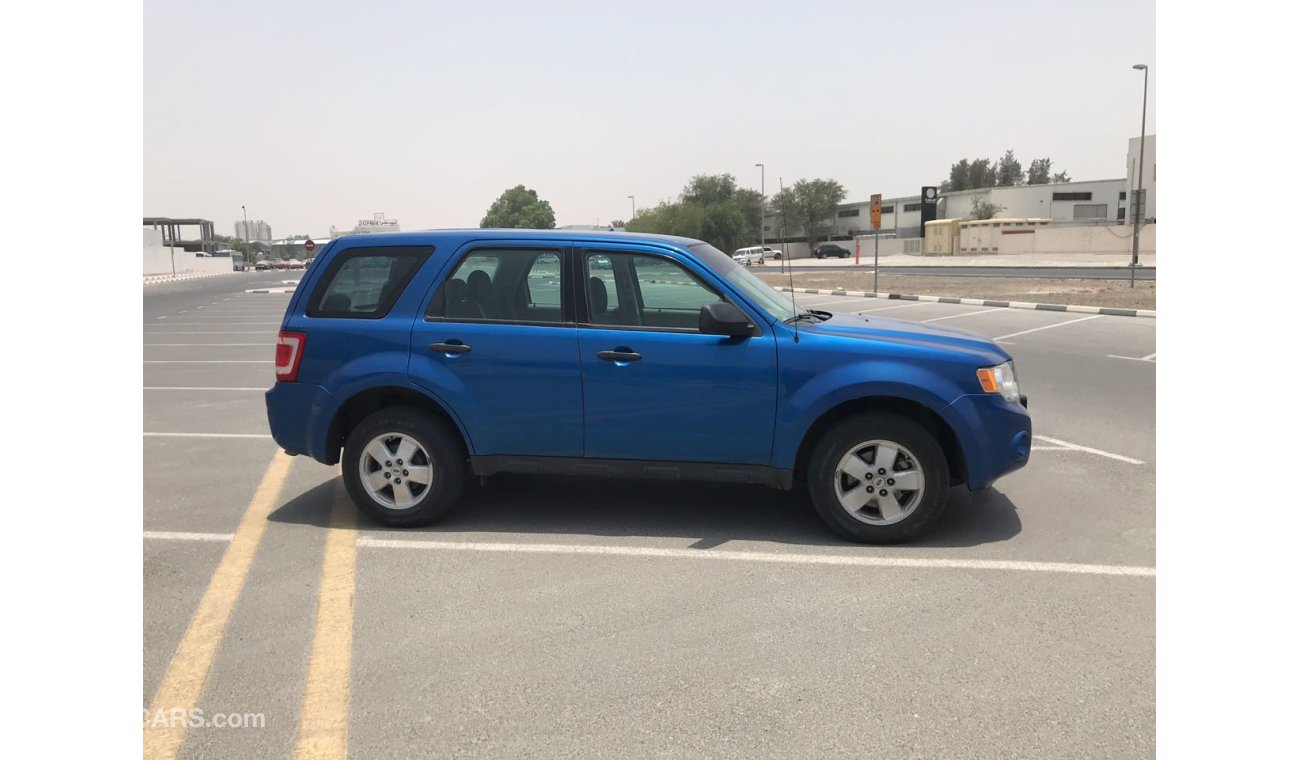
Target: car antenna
x=785, y=261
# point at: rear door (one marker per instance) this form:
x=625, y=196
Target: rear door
x=654, y=387
x=498, y=343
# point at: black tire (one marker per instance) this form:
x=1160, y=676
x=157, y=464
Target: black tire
x=445, y=452
x=846, y=434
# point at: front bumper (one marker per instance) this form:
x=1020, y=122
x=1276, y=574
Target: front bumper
x=996, y=436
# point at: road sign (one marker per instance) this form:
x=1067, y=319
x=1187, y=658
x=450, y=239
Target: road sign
x=309, y=246
x=875, y=211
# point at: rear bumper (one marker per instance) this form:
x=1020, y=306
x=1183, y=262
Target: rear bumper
x=293, y=411
x=996, y=437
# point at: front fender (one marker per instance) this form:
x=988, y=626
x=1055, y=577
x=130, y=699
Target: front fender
x=868, y=378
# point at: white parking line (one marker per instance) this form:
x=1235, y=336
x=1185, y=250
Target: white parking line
x=209, y=361
x=163, y=535
x=206, y=435
x=850, y=560
x=201, y=388
x=904, y=306
x=1098, y=452
x=191, y=345
x=208, y=332
x=1149, y=358
x=1048, y=327
x=831, y=301
x=966, y=314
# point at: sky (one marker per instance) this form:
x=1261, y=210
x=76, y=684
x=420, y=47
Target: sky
x=314, y=114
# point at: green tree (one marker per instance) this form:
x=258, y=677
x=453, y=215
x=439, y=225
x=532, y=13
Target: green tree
x=710, y=208
x=1009, y=171
x=520, y=208
x=958, y=177
x=1040, y=172
x=750, y=204
x=982, y=174
x=618, y=223
x=983, y=209
x=1061, y=177
x=807, y=204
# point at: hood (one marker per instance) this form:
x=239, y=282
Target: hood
x=906, y=332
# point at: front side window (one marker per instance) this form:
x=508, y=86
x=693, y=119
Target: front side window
x=776, y=304
x=496, y=285
x=364, y=283
x=655, y=292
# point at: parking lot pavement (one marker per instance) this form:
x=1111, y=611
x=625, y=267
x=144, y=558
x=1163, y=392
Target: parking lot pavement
x=552, y=616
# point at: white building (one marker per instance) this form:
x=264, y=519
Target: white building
x=379, y=223
x=251, y=231
x=1148, y=172
x=1094, y=202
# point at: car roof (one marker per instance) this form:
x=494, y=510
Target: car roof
x=432, y=237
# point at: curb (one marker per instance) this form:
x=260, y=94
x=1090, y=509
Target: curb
x=156, y=279
x=1110, y=311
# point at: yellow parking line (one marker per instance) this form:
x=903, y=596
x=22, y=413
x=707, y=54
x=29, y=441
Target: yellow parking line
x=187, y=673
x=323, y=724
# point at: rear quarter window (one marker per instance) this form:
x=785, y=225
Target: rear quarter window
x=364, y=283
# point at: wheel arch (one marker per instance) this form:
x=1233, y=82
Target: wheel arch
x=907, y=408
x=363, y=403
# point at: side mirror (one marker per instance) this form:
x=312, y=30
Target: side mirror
x=722, y=318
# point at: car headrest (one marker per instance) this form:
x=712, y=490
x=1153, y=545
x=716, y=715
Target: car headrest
x=479, y=284
x=598, y=295
x=456, y=293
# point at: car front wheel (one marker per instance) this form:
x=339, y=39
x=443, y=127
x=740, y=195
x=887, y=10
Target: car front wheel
x=403, y=467
x=878, y=478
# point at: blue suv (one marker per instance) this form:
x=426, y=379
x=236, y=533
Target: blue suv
x=418, y=359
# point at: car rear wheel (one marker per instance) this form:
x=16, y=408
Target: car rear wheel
x=403, y=467
x=878, y=478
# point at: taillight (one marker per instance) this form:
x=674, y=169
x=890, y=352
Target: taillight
x=288, y=355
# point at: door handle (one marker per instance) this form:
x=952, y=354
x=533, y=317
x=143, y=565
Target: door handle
x=618, y=356
x=449, y=348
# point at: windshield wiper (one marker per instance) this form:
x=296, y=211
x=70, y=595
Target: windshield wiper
x=820, y=316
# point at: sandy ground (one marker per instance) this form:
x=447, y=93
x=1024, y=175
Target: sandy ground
x=1063, y=291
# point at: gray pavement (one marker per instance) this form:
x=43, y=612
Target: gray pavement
x=558, y=617
x=1059, y=273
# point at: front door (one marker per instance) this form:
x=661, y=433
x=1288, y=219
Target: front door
x=654, y=387
x=498, y=344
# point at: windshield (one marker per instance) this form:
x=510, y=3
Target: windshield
x=762, y=295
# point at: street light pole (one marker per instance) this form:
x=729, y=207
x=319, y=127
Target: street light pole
x=633, y=197
x=762, y=211
x=248, y=248
x=1139, y=202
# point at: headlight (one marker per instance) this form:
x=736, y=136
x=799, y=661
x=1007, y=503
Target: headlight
x=1000, y=379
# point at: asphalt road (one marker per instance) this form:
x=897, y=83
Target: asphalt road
x=556, y=617
x=1077, y=273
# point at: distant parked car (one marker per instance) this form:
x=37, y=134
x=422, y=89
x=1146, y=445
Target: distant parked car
x=281, y=264
x=830, y=249
x=296, y=264
x=749, y=256
x=262, y=266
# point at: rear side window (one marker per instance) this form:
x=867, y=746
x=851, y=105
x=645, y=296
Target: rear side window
x=364, y=283
x=522, y=286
